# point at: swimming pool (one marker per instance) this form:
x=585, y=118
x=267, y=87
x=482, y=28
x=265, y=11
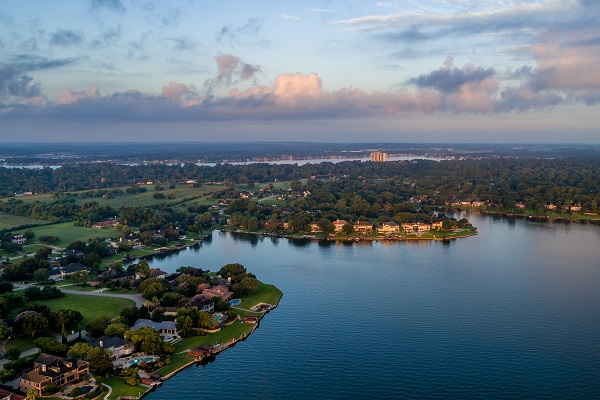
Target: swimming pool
x=138, y=360
x=235, y=302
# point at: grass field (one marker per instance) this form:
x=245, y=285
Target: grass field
x=8, y=221
x=120, y=388
x=68, y=233
x=24, y=343
x=90, y=306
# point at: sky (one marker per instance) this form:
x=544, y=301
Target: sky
x=523, y=71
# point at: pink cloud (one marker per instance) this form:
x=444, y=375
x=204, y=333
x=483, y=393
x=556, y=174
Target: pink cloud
x=67, y=96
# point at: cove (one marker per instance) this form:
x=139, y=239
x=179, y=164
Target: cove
x=510, y=313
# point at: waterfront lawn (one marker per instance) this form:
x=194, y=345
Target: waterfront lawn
x=266, y=294
x=120, y=388
x=68, y=233
x=8, y=221
x=90, y=306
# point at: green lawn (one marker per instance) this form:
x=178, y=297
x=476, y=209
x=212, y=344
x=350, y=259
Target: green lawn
x=68, y=233
x=8, y=221
x=266, y=294
x=120, y=388
x=25, y=342
x=89, y=306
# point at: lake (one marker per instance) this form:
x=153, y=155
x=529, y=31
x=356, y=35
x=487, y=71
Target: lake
x=510, y=313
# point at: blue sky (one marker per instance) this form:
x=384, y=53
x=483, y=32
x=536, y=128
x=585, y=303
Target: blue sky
x=404, y=71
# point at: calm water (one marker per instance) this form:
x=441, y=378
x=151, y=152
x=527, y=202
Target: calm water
x=511, y=313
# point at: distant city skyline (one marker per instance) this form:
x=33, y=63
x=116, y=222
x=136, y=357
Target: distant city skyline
x=431, y=71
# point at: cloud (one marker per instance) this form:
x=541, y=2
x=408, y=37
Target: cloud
x=113, y=5
x=235, y=35
x=67, y=96
x=231, y=70
x=450, y=79
x=66, y=37
x=322, y=11
x=384, y=4
x=290, y=17
x=182, y=44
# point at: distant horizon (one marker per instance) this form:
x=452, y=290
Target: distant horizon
x=469, y=71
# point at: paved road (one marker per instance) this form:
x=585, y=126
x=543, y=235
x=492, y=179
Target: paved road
x=139, y=300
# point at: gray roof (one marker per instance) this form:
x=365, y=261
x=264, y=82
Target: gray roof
x=108, y=342
x=170, y=325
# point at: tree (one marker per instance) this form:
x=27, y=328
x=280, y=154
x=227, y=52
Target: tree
x=65, y=318
x=131, y=376
x=12, y=354
x=31, y=322
x=98, y=325
x=116, y=329
x=448, y=224
x=185, y=325
x=40, y=275
x=32, y=394
x=130, y=315
x=51, y=346
x=347, y=229
x=79, y=277
x=4, y=331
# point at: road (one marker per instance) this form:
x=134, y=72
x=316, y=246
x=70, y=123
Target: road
x=137, y=298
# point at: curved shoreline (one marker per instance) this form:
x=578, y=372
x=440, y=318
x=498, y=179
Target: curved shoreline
x=222, y=347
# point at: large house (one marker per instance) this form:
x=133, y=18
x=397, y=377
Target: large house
x=105, y=224
x=314, y=227
x=18, y=239
x=338, y=224
x=6, y=395
x=118, y=347
x=415, y=227
x=203, y=303
x=221, y=291
x=49, y=369
x=70, y=269
x=388, y=228
x=164, y=327
x=362, y=226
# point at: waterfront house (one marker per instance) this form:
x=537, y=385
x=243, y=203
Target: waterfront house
x=314, y=227
x=118, y=347
x=157, y=273
x=363, y=226
x=520, y=205
x=218, y=291
x=388, y=228
x=203, y=303
x=338, y=224
x=164, y=327
x=49, y=369
x=437, y=226
x=416, y=227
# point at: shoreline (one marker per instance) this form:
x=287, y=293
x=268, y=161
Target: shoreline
x=222, y=347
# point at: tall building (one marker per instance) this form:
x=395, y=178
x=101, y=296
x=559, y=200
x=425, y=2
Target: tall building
x=377, y=156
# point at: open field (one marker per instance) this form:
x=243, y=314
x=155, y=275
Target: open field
x=181, y=192
x=120, y=388
x=89, y=306
x=68, y=233
x=8, y=221
x=25, y=342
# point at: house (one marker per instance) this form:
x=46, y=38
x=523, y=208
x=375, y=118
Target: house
x=157, y=273
x=112, y=249
x=575, y=208
x=338, y=224
x=112, y=275
x=550, y=206
x=363, y=226
x=415, y=227
x=109, y=224
x=520, y=205
x=51, y=369
x=6, y=395
x=118, y=347
x=18, y=239
x=314, y=227
x=70, y=269
x=437, y=226
x=164, y=327
x=203, y=303
x=218, y=291
x=388, y=228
